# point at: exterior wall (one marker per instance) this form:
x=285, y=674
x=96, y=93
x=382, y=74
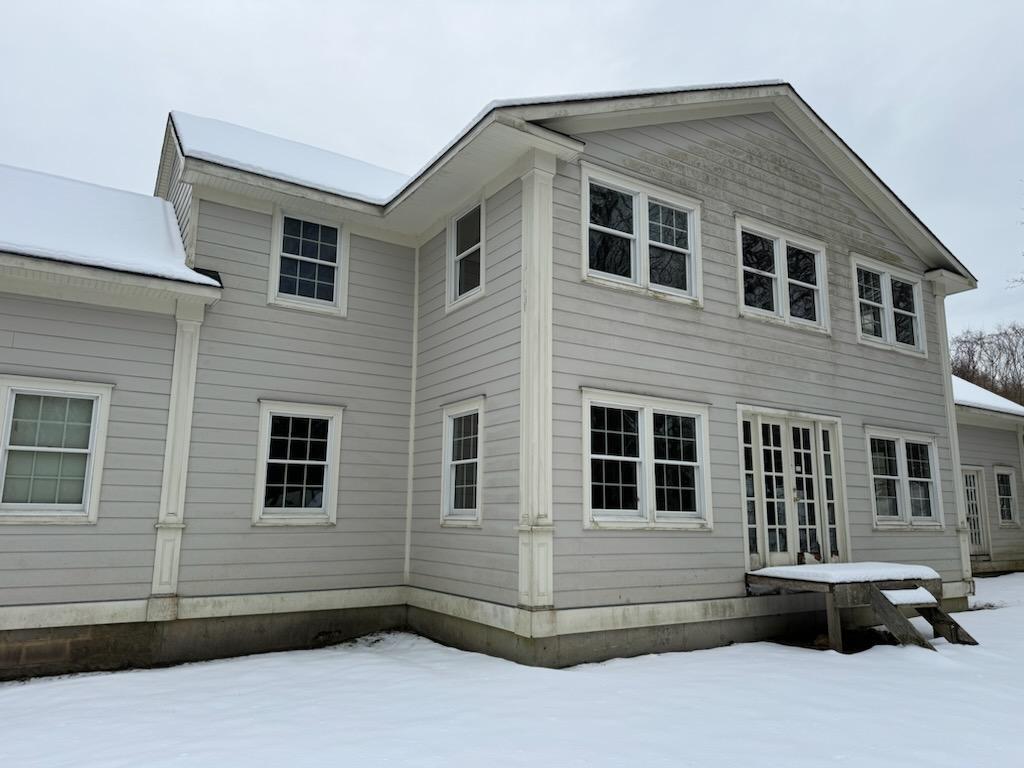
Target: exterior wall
x=987, y=447
x=612, y=339
x=471, y=351
x=113, y=559
x=179, y=194
x=249, y=351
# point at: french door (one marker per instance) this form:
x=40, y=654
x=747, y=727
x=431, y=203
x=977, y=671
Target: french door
x=792, y=491
x=974, y=500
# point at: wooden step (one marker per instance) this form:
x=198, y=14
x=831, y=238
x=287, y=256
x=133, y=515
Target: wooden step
x=946, y=626
x=894, y=621
x=915, y=597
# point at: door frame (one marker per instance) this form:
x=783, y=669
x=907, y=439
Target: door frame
x=754, y=413
x=986, y=537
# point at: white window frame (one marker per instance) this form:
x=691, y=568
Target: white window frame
x=452, y=301
x=462, y=518
x=888, y=340
x=338, y=307
x=1014, y=520
x=642, y=193
x=648, y=518
x=328, y=513
x=905, y=520
x=783, y=238
x=86, y=512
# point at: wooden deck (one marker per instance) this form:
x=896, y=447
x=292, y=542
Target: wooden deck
x=853, y=594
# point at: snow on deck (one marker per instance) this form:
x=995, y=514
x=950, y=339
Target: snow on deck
x=915, y=596
x=53, y=217
x=400, y=700
x=973, y=396
x=848, y=573
x=238, y=147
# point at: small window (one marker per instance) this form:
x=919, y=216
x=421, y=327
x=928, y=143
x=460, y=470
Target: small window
x=646, y=462
x=904, y=483
x=308, y=270
x=640, y=235
x=1006, y=482
x=782, y=276
x=51, y=450
x=299, y=457
x=466, y=255
x=460, y=502
x=889, y=307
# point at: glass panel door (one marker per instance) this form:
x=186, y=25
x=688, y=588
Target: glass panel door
x=973, y=504
x=805, y=495
x=776, y=500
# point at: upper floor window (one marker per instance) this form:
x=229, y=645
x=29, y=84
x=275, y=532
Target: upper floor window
x=904, y=478
x=460, y=497
x=299, y=449
x=646, y=462
x=640, y=235
x=888, y=306
x=307, y=266
x=1006, y=481
x=51, y=449
x=466, y=256
x=782, y=276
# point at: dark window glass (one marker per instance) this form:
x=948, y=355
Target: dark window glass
x=902, y=295
x=668, y=226
x=871, y=320
x=468, y=273
x=611, y=254
x=668, y=268
x=803, y=302
x=905, y=329
x=758, y=252
x=869, y=285
x=467, y=231
x=296, y=463
x=309, y=253
x=801, y=265
x=758, y=291
x=611, y=209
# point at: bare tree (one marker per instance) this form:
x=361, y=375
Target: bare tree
x=993, y=360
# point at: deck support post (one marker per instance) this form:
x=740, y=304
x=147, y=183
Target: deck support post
x=835, y=622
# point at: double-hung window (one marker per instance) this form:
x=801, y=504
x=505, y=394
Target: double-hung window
x=888, y=306
x=308, y=269
x=645, y=462
x=299, y=456
x=640, y=235
x=904, y=478
x=1006, y=483
x=460, y=496
x=782, y=276
x=51, y=449
x=465, y=256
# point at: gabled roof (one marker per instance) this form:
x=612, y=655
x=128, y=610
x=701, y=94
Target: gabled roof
x=61, y=219
x=554, y=119
x=972, y=396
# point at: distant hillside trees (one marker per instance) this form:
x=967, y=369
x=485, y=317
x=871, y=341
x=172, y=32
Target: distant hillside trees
x=992, y=360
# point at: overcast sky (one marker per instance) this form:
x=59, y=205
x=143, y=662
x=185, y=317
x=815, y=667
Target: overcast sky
x=930, y=94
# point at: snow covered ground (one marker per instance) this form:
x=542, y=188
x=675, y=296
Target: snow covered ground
x=399, y=700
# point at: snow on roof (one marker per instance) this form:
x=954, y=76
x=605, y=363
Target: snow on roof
x=268, y=155
x=53, y=217
x=973, y=396
x=848, y=573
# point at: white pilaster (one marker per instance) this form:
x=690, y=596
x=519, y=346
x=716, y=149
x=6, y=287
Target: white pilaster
x=171, y=519
x=536, y=563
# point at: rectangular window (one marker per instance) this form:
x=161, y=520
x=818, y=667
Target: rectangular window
x=307, y=266
x=300, y=449
x=51, y=449
x=460, y=498
x=466, y=255
x=888, y=306
x=904, y=479
x=1006, y=482
x=640, y=235
x=782, y=275
x=646, y=462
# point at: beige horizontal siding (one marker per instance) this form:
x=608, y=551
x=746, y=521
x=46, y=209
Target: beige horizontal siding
x=988, y=448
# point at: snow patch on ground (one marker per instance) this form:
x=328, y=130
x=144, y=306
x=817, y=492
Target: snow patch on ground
x=400, y=700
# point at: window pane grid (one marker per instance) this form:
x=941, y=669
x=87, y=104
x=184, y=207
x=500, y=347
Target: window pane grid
x=463, y=464
x=675, y=463
x=296, y=463
x=885, y=473
x=309, y=256
x=749, y=486
x=1004, y=493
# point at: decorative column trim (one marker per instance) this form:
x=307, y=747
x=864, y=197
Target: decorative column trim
x=939, y=291
x=171, y=520
x=536, y=526
x=411, y=468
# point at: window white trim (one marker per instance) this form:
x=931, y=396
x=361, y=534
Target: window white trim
x=780, y=280
x=338, y=307
x=648, y=517
x=888, y=340
x=87, y=511
x=451, y=301
x=463, y=518
x=1014, y=520
x=328, y=512
x=642, y=194
x=905, y=520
